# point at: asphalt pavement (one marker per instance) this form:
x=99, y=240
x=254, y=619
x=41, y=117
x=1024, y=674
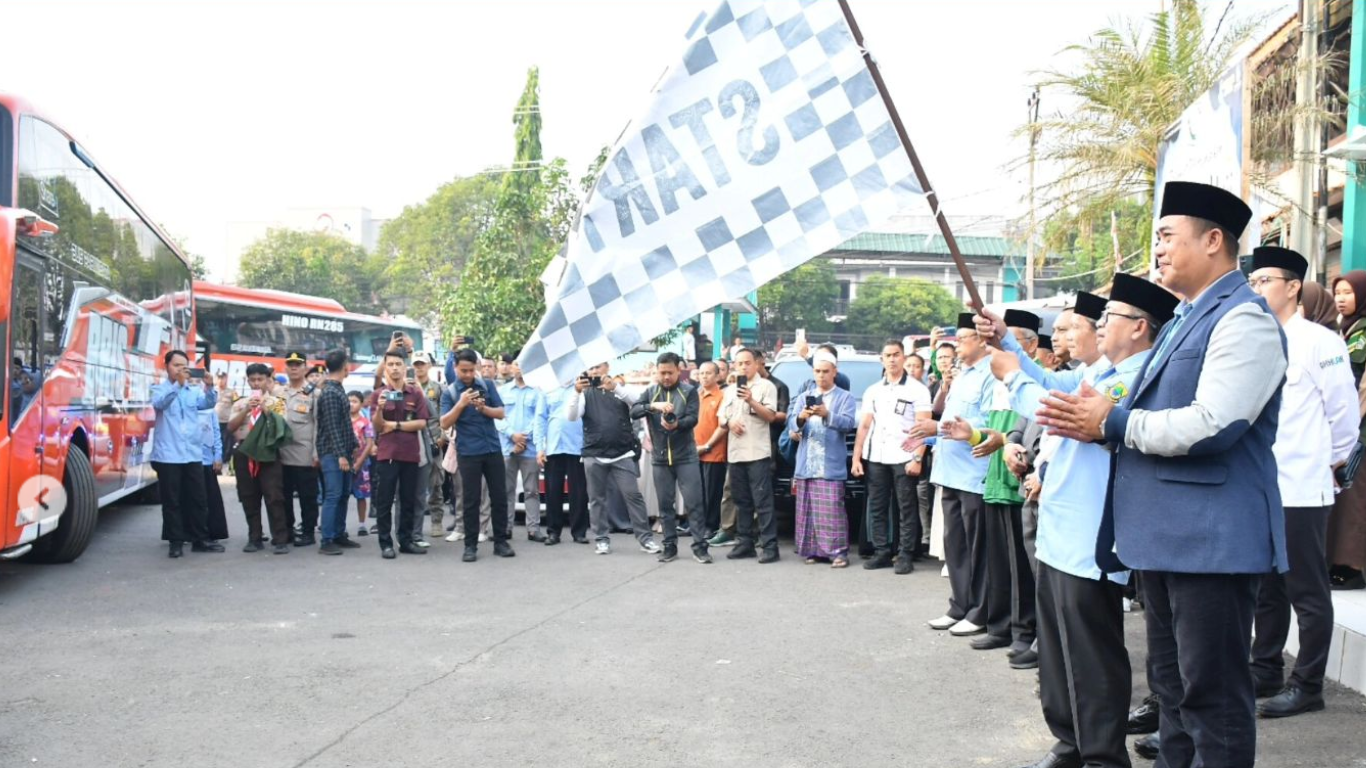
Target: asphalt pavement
x=557, y=657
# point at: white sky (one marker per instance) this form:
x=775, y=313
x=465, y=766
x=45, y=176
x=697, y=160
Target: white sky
x=213, y=112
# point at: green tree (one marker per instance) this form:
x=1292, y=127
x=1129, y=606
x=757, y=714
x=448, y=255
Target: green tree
x=892, y=307
x=311, y=263
x=1085, y=250
x=800, y=298
x=199, y=268
x=1128, y=86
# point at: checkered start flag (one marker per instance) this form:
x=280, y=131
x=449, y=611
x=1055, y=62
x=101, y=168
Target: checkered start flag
x=767, y=145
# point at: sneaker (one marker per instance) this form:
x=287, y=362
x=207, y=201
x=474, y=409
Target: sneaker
x=345, y=542
x=471, y=554
x=604, y=548
x=943, y=622
x=768, y=556
x=363, y=531
x=438, y=531
x=880, y=560
x=684, y=530
x=422, y=543
x=329, y=548
x=281, y=549
x=255, y=545
x=455, y=536
x=701, y=555
x=374, y=527
x=721, y=539
x=483, y=537
x=902, y=565
x=651, y=546
x=669, y=554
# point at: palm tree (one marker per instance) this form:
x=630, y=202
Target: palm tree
x=1129, y=84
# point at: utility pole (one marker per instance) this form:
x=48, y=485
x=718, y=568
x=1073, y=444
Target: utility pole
x=1303, y=235
x=1033, y=105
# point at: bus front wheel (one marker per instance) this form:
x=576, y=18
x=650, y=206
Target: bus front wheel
x=78, y=522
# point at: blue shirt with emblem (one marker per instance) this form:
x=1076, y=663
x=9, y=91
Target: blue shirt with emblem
x=969, y=399
x=555, y=433
x=521, y=404
x=176, y=436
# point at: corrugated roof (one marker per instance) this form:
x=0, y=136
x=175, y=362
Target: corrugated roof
x=969, y=245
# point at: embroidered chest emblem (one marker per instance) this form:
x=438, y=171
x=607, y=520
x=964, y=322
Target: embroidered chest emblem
x=1117, y=392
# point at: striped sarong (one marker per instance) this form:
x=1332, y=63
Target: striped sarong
x=822, y=525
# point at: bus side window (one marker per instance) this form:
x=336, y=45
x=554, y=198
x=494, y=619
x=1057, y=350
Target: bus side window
x=26, y=374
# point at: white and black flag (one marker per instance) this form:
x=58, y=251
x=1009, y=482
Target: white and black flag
x=768, y=144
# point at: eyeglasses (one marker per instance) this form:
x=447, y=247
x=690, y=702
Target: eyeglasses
x=1107, y=314
x=1257, y=283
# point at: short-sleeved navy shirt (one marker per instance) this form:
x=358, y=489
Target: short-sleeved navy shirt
x=475, y=433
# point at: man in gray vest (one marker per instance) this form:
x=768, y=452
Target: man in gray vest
x=1194, y=503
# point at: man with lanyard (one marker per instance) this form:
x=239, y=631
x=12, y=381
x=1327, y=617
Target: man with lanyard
x=299, y=456
x=177, y=454
x=516, y=434
x=1316, y=432
x=559, y=444
x=431, y=477
x=399, y=412
x=890, y=410
x=471, y=404
x=1084, y=674
x=1194, y=503
x=961, y=477
x=670, y=412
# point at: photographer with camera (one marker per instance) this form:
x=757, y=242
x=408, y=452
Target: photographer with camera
x=400, y=412
x=471, y=404
x=670, y=409
x=610, y=452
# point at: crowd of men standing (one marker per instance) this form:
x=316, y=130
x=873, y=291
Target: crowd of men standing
x=1030, y=463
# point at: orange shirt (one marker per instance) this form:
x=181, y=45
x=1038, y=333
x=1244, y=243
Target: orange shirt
x=708, y=419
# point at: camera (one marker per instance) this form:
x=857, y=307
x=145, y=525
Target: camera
x=393, y=396
x=669, y=418
x=595, y=381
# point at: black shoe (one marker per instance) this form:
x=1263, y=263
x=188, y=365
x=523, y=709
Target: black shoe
x=1267, y=687
x=552, y=540
x=535, y=536
x=176, y=549
x=684, y=530
x=1051, y=760
x=1289, y=702
x=769, y=556
x=471, y=554
x=1017, y=648
x=1346, y=578
x=304, y=541
x=411, y=549
x=363, y=532
x=741, y=551
x=346, y=543
x=669, y=554
x=503, y=549
x=254, y=545
x=1148, y=747
x=989, y=643
x=580, y=539
x=1143, y=718
x=880, y=560
x=387, y=553
x=329, y=548
x=701, y=555
x=902, y=565
x=281, y=549
x=206, y=546
x=1026, y=660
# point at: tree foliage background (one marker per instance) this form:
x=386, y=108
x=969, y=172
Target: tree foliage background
x=312, y=263
x=801, y=298
x=892, y=307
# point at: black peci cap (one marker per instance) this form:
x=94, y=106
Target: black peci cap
x=965, y=321
x=1204, y=201
x=1017, y=318
x=1141, y=294
x=1089, y=305
x=1279, y=258
x=1045, y=342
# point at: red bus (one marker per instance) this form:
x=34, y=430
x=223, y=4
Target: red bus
x=92, y=295
x=240, y=326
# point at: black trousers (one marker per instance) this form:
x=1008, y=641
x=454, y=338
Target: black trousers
x=396, y=478
x=1084, y=675
x=559, y=468
x=184, y=508
x=1306, y=588
x=217, y=518
x=303, y=481
x=489, y=468
x=1199, y=636
x=1010, y=581
x=965, y=554
x=713, y=488
x=890, y=487
x=751, y=485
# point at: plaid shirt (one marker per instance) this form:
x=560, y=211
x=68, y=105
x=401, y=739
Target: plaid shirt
x=335, y=436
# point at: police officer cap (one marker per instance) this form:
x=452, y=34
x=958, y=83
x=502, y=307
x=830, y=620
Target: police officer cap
x=1279, y=258
x=965, y=321
x=1046, y=342
x=319, y=368
x=1089, y=305
x=1016, y=318
x=1141, y=294
x=295, y=357
x=1203, y=201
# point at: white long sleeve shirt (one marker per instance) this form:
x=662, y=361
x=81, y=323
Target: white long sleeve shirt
x=1318, y=423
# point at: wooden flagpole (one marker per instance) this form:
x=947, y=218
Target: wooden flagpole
x=930, y=195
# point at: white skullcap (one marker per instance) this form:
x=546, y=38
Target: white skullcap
x=823, y=356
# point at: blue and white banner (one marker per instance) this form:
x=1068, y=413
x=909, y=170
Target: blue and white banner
x=766, y=145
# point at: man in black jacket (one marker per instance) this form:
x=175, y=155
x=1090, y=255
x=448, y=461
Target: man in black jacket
x=609, y=456
x=670, y=409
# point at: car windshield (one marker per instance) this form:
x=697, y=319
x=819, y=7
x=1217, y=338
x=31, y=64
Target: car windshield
x=862, y=374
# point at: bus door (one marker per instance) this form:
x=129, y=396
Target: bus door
x=26, y=412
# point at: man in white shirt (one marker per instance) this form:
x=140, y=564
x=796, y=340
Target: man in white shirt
x=1315, y=433
x=890, y=409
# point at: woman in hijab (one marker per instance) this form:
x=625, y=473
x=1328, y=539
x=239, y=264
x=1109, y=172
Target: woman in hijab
x=1347, y=523
x=1319, y=306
